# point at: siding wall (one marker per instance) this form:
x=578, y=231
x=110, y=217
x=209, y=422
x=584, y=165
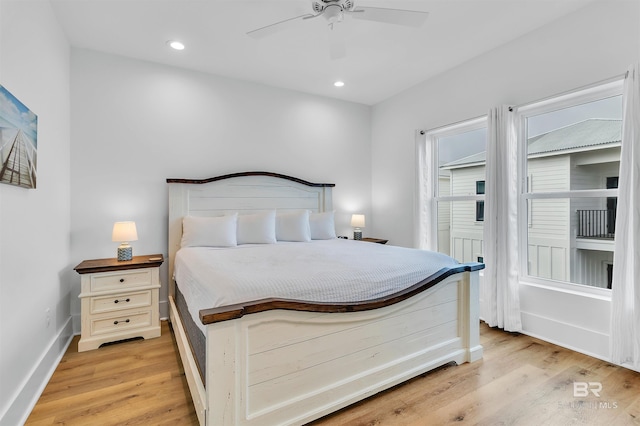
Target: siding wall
x=549, y=230
x=549, y=223
x=444, y=216
x=466, y=232
x=589, y=267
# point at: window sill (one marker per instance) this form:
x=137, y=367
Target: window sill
x=569, y=288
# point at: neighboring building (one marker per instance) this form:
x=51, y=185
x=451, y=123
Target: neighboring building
x=444, y=213
x=568, y=239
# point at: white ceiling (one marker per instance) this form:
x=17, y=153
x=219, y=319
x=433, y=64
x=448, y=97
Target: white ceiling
x=382, y=59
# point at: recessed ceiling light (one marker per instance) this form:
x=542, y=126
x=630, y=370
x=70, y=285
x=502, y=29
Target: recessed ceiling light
x=339, y=83
x=175, y=45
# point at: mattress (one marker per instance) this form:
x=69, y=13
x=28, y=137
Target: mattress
x=327, y=271
x=195, y=337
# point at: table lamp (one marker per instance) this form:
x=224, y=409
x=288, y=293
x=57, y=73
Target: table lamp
x=357, y=221
x=124, y=232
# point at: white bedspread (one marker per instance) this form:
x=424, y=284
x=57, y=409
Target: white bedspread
x=318, y=271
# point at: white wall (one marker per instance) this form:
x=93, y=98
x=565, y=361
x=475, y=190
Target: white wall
x=34, y=223
x=135, y=124
x=596, y=43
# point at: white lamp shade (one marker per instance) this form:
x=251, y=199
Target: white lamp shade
x=124, y=232
x=357, y=221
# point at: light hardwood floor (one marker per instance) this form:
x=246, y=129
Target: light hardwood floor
x=139, y=382
x=520, y=381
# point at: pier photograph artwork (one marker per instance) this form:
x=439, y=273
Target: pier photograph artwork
x=18, y=141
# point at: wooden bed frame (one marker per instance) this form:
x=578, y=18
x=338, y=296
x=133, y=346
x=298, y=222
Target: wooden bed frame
x=288, y=362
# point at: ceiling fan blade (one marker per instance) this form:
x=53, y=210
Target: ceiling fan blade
x=410, y=18
x=337, y=45
x=278, y=26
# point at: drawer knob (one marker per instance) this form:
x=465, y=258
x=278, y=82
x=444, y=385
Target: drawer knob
x=116, y=322
x=125, y=300
x=121, y=280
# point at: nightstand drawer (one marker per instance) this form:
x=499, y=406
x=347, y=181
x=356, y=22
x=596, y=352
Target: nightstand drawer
x=118, y=302
x=120, y=323
x=120, y=280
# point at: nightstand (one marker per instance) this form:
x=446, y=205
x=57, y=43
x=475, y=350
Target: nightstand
x=375, y=240
x=119, y=299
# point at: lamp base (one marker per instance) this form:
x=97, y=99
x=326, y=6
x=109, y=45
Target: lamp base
x=125, y=253
x=357, y=235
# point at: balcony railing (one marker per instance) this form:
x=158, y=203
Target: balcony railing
x=596, y=224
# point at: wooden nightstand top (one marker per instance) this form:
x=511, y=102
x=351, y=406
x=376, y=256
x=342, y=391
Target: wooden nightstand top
x=375, y=240
x=113, y=264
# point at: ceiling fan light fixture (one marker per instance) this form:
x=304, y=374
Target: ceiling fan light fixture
x=174, y=44
x=333, y=14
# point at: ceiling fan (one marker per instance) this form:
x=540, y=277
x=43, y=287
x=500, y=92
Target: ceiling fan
x=333, y=11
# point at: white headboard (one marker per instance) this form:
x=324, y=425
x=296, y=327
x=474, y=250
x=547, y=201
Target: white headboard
x=241, y=192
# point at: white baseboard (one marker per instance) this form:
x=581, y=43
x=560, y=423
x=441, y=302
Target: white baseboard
x=27, y=396
x=579, y=339
x=75, y=322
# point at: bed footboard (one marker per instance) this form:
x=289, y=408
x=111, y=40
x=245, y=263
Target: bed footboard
x=288, y=367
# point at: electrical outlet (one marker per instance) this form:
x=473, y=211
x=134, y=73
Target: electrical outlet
x=48, y=316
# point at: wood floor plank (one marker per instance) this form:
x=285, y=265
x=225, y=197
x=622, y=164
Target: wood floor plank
x=630, y=415
x=519, y=381
x=130, y=398
x=489, y=398
x=135, y=382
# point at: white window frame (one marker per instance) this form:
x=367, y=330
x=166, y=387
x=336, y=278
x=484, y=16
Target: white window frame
x=581, y=96
x=443, y=132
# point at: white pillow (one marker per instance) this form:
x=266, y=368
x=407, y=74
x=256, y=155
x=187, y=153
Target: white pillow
x=322, y=226
x=209, y=231
x=257, y=228
x=293, y=226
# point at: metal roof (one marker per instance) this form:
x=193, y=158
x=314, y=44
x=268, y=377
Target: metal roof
x=587, y=133
x=480, y=158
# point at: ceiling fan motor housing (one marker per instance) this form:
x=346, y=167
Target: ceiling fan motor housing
x=321, y=5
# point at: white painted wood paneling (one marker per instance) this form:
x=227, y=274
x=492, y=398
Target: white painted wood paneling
x=444, y=216
x=287, y=367
x=549, y=223
x=359, y=338
x=463, y=213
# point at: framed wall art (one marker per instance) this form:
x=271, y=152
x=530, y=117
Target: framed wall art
x=18, y=142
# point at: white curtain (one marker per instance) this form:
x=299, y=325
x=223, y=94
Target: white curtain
x=625, y=293
x=501, y=300
x=426, y=237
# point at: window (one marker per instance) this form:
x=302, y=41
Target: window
x=480, y=203
x=460, y=154
x=569, y=159
x=570, y=153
